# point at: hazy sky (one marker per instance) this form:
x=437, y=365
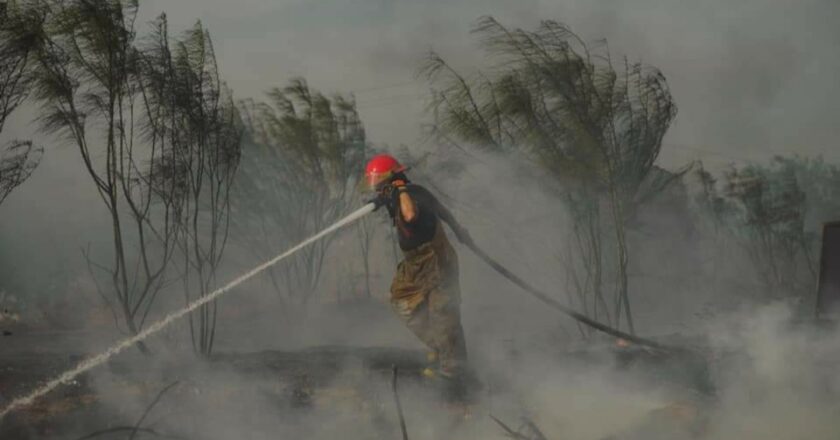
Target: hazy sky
x=751, y=77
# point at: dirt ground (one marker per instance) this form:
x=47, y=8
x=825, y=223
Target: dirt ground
x=111, y=401
x=293, y=381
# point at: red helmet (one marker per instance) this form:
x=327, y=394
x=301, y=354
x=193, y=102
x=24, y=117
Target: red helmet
x=380, y=168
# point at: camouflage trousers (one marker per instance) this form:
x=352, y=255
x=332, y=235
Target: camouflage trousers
x=425, y=294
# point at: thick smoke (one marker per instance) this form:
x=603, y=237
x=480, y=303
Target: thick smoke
x=750, y=80
x=756, y=373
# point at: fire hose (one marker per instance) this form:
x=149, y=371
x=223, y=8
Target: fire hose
x=548, y=300
x=386, y=196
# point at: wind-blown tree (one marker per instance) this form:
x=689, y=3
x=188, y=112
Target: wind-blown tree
x=594, y=126
x=774, y=213
x=85, y=80
x=18, y=158
x=135, y=116
x=299, y=174
x=194, y=112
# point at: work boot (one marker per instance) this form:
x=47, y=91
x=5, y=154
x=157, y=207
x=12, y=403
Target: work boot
x=458, y=388
x=432, y=360
x=432, y=357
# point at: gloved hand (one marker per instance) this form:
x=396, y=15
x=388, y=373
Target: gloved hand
x=382, y=198
x=378, y=201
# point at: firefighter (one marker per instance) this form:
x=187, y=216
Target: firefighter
x=425, y=292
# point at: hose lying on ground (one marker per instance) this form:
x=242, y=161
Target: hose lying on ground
x=560, y=307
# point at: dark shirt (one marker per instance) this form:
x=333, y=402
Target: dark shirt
x=428, y=210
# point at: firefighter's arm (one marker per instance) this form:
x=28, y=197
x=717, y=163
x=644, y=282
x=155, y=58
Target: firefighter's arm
x=408, y=209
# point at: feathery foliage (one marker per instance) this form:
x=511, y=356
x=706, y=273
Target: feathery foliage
x=574, y=112
x=18, y=159
x=299, y=175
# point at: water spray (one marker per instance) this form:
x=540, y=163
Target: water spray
x=103, y=357
x=99, y=359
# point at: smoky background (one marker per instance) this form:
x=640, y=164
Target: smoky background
x=747, y=79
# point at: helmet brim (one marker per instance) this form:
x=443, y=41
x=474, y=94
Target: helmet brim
x=375, y=180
